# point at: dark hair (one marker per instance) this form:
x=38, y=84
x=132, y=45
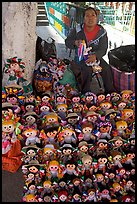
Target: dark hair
x=90, y=8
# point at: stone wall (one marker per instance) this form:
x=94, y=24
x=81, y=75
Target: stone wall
x=19, y=33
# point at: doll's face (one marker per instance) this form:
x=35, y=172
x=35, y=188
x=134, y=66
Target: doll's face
x=104, y=129
x=67, y=151
x=72, y=120
x=130, y=156
x=53, y=168
x=102, y=160
x=84, y=148
x=100, y=178
x=32, y=187
x=132, y=142
x=33, y=169
x=76, y=196
x=129, y=183
x=118, y=143
x=8, y=127
x=44, y=108
x=76, y=99
x=13, y=100
x=92, y=118
x=30, y=119
x=48, y=153
x=29, y=107
x=47, y=199
x=91, y=193
x=62, y=108
x=61, y=99
x=68, y=133
x=117, y=158
x=30, y=176
x=14, y=67
x=47, y=185
x=128, y=113
x=30, y=99
x=122, y=105
x=63, y=197
x=87, y=162
x=31, y=152
x=70, y=167
x=89, y=98
x=111, y=175
x=101, y=97
x=93, y=108
x=30, y=133
x=7, y=112
x=102, y=145
x=105, y=105
x=121, y=125
x=45, y=99
x=51, y=118
x=117, y=188
x=76, y=182
x=52, y=134
x=86, y=130
x=122, y=171
x=62, y=184
x=105, y=192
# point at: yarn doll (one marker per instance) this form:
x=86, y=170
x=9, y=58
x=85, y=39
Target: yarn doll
x=30, y=154
x=11, y=145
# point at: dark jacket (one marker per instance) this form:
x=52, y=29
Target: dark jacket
x=99, y=44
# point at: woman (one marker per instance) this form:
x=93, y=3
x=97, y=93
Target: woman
x=95, y=36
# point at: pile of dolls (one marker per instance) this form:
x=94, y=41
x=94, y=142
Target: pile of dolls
x=72, y=147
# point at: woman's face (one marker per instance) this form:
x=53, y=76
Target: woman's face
x=90, y=18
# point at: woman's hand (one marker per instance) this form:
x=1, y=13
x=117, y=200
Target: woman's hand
x=78, y=42
x=91, y=59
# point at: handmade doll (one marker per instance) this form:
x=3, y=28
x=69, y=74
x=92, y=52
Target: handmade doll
x=47, y=188
x=30, y=119
x=76, y=197
x=61, y=110
x=31, y=136
x=104, y=106
x=70, y=171
x=78, y=108
x=83, y=149
x=60, y=98
x=88, y=99
x=87, y=184
x=128, y=187
x=111, y=116
x=105, y=130
x=87, y=133
x=53, y=170
x=102, y=146
x=128, y=115
x=31, y=188
x=131, y=144
x=51, y=120
x=110, y=177
x=115, y=160
x=120, y=105
x=99, y=182
x=129, y=161
x=91, y=117
x=101, y=165
x=49, y=135
x=67, y=135
x=66, y=153
x=120, y=174
x=104, y=195
x=74, y=120
x=76, y=186
x=30, y=154
x=28, y=107
x=117, y=143
x=87, y=167
x=30, y=198
x=91, y=196
x=11, y=145
x=100, y=98
x=126, y=95
x=63, y=196
x=33, y=172
x=49, y=153
x=44, y=108
x=121, y=127
x=116, y=191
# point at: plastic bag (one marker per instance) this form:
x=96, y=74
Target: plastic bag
x=123, y=58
